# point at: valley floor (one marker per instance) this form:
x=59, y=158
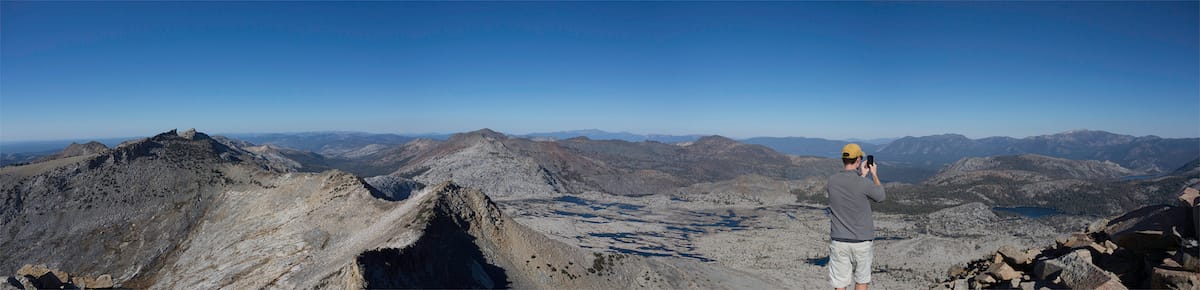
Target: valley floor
x=783, y=243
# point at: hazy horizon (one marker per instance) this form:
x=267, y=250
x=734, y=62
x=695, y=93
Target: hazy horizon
x=78, y=70
x=420, y=134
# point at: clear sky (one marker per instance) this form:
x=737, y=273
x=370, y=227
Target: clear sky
x=831, y=70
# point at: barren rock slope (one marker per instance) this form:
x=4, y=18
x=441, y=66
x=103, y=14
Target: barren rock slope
x=185, y=211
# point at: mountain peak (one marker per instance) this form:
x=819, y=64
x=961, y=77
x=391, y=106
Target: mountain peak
x=191, y=134
x=715, y=140
x=484, y=133
x=190, y=144
x=1084, y=132
x=76, y=149
x=1075, y=131
x=950, y=136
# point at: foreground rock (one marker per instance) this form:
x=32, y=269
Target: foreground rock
x=42, y=277
x=1152, y=247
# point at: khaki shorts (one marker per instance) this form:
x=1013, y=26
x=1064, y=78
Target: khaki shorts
x=847, y=258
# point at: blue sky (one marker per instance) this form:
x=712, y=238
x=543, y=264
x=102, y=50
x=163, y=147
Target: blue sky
x=831, y=70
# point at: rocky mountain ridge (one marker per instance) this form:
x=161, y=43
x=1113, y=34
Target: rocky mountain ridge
x=1033, y=164
x=183, y=210
x=1150, y=154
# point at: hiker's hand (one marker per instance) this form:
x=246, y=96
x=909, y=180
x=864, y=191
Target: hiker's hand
x=862, y=167
x=873, y=167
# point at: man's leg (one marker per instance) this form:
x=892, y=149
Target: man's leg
x=839, y=265
x=863, y=256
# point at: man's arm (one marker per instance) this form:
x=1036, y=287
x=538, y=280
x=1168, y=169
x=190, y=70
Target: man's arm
x=876, y=193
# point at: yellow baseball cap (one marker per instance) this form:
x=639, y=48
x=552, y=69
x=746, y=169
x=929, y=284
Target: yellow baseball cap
x=851, y=151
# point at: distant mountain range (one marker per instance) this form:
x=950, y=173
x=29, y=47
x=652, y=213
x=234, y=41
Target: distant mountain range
x=712, y=167
x=605, y=135
x=921, y=156
x=1074, y=186
x=805, y=146
x=1149, y=154
x=322, y=142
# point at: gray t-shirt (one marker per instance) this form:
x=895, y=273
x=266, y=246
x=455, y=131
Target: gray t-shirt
x=849, y=201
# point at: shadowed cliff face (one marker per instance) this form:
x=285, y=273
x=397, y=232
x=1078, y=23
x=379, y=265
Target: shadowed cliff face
x=445, y=257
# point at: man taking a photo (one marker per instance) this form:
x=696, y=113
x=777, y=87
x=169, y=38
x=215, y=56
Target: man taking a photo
x=851, y=227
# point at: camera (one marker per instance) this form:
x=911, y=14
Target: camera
x=870, y=160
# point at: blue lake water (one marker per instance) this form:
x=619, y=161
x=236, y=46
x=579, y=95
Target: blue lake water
x=1029, y=211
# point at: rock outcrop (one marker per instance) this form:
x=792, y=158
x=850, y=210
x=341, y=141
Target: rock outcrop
x=393, y=188
x=41, y=277
x=1152, y=247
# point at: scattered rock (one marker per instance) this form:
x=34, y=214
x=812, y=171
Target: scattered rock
x=1046, y=269
x=1098, y=226
x=42, y=277
x=960, y=284
x=1174, y=279
x=1190, y=197
x=18, y=282
x=1027, y=285
x=1187, y=261
x=9, y=283
x=1124, y=263
x=985, y=279
x=957, y=271
x=1033, y=253
x=1003, y=271
x=1104, y=249
x=1078, y=272
x=81, y=282
x=1014, y=256
x=1149, y=228
x=104, y=281
x=1076, y=240
x=1110, y=246
x=31, y=270
x=981, y=281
